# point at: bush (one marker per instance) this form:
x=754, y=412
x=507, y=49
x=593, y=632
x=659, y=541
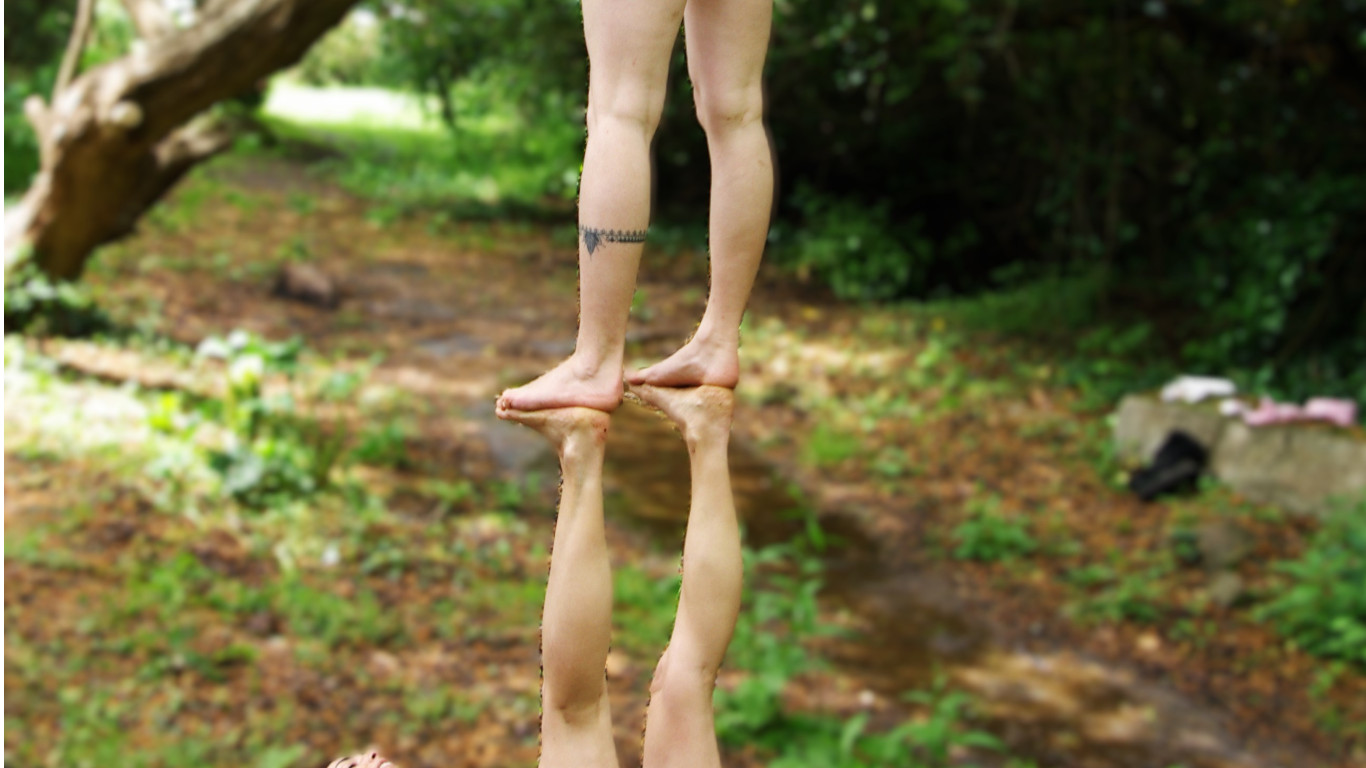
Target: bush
x=1321, y=605
x=854, y=248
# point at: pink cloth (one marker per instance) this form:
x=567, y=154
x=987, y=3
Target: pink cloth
x=1271, y=412
x=1337, y=411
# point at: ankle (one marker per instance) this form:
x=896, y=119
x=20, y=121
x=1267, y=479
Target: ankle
x=584, y=447
x=593, y=367
x=712, y=340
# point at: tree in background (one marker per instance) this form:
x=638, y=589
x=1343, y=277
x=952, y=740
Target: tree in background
x=113, y=140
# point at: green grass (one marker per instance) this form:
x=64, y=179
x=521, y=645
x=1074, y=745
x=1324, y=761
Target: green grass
x=498, y=162
x=987, y=535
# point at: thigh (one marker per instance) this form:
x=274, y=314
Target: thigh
x=629, y=43
x=727, y=41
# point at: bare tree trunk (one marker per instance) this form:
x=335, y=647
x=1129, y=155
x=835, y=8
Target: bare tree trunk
x=118, y=137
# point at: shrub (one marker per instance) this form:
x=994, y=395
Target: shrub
x=1322, y=603
x=854, y=248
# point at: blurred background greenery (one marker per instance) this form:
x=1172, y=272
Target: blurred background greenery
x=993, y=219
x=1183, y=179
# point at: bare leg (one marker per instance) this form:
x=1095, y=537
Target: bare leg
x=680, y=726
x=727, y=41
x=629, y=43
x=576, y=628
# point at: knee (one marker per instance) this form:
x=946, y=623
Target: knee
x=683, y=680
x=726, y=109
x=577, y=711
x=634, y=109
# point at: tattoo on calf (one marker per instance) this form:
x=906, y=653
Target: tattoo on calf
x=593, y=237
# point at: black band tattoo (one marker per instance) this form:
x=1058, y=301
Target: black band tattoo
x=593, y=237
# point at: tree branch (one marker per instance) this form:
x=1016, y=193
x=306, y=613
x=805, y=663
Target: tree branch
x=151, y=18
x=75, y=46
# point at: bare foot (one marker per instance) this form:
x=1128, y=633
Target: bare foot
x=698, y=362
x=565, y=428
x=699, y=412
x=564, y=386
x=371, y=759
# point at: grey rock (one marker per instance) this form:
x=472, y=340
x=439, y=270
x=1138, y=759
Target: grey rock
x=306, y=283
x=1225, y=589
x=1143, y=423
x=1300, y=467
x=1223, y=544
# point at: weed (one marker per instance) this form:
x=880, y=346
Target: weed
x=449, y=495
x=1320, y=604
x=988, y=536
x=274, y=452
x=40, y=305
x=384, y=445
x=1134, y=596
x=332, y=619
x=827, y=446
x=302, y=204
x=892, y=462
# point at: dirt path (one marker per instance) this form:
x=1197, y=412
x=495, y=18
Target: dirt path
x=460, y=311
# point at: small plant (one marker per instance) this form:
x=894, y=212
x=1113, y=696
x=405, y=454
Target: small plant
x=383, y=446
x=1135, y=596
x=988, y=536
x=827, y=446
x=302, y=204
x=38, y=304
x=932, y=740
x=1321, y=604
x=892, y=462
x=274, y=453
x=449, y=495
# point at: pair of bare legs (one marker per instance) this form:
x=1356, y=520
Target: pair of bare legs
x=629, y=45
x=576, y=721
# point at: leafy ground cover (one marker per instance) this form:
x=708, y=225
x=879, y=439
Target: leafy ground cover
x=192, y=568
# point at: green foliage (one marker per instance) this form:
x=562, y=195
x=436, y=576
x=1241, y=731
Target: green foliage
x=504, y=159
x=989, y=536
x=21, y=143
x=35, y=37
x=274, y=452
x=1321, y=605
x=853, y=247
x=39, y=305
x=1128, y=587
x=829, y=446
x=768, y=644
x=347, y=55
x=332, y=618
x=384, y=445
x=520, y=46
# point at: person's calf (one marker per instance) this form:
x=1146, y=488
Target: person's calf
x=679, y=720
